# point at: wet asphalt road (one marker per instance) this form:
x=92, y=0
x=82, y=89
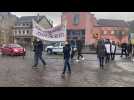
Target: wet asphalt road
x=18, y=72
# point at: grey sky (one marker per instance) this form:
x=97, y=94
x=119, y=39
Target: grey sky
x=56, y=16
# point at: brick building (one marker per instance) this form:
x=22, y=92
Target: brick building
x=86, y=26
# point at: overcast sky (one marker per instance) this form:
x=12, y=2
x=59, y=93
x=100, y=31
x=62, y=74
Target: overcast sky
x=56, y=16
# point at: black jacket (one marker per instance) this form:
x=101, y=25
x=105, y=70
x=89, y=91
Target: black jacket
x=38, y=47
x=79, y=45
x=101, y=50
x=66, y=51
x=124, y=46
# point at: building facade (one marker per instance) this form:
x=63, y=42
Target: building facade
x=23, y=28
x=7, y=22
x=89, y=29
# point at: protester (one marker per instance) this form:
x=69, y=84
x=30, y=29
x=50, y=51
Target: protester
x=38, y=49
x=124, y=49
x=108, y=50
x=113, y=50
x=66, y=51
x=129, y=49
x=72, y=50
x=79, y=49
x=101, y=52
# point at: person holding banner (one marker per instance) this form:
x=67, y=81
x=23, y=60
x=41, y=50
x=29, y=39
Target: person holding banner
x=38, y=49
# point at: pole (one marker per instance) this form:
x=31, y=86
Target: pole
x=64, y=24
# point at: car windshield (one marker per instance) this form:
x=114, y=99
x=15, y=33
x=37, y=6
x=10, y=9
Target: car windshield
x=14, y=46
x=56, y=44
x=62, y=44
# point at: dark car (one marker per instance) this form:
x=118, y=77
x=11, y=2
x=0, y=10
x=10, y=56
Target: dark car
x=13, y=50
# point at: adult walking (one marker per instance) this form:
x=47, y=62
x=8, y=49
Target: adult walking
x=38, y=49
x=113, y=50
x=66, y=51
x=129, y=49
x=79, y=49
x=72, y=49
x=108, y=50
x=124, y=49
x=101, y=52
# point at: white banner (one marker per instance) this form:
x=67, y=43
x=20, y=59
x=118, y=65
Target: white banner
x=57, y=33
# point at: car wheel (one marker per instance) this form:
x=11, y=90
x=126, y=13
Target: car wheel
x=55, y=53
x=49, y=51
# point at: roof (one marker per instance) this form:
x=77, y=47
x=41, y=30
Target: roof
x=4, y=13
x=111, y=23
x=30, y=18
x=7, y=14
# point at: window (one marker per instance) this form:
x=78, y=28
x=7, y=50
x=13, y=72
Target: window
x=62, y=44
x=76, y=19
x=112, y=32
x=123, y=33
x=105, y=32
x=75, y=38
x=27, y=31
x=19, y=24
x=23, y=31
x=19, y=32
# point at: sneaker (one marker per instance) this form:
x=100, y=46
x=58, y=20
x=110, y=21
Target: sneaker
x=83, y=58
x=132, y=59
x=77, y=60
x=34, y=66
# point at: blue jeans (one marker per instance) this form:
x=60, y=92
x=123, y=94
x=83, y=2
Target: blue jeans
x=37, y=57
x=66, y=64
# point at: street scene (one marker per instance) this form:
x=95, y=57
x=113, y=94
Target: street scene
x=66, y=49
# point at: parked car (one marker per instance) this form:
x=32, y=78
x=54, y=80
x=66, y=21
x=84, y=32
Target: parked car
x=55, y=48
x=13, y=50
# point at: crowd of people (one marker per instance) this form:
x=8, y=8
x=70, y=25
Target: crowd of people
x=69, y=50
x=105, y=51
